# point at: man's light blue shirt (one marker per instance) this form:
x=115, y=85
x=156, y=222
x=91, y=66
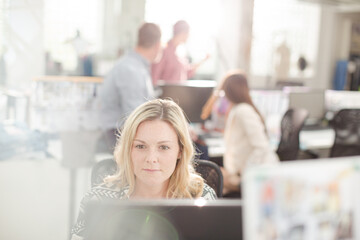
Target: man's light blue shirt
x=125, y=87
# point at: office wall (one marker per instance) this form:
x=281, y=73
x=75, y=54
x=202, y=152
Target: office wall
x=235, y=34
x=121, y=21
x=23, y=42
x=334, y=42
x=343, y=40
x=22, y=25
x=325, y=63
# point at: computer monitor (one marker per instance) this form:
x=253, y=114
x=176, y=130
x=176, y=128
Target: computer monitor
x=312, y=100
x=191, y=96
x=164, y=219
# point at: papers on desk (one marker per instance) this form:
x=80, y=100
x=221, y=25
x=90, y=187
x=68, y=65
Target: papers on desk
x=216, y=146
x=317, y=139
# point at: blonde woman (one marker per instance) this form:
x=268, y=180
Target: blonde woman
x=154, y=155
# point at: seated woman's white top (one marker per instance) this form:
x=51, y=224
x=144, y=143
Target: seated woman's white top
x=246, y=142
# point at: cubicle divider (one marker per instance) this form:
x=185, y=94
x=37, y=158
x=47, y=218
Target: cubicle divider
x=272, y=104
x=64, y=103
x=303, y=200
x=321, y=104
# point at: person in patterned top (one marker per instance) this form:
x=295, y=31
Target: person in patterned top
x=154, y=157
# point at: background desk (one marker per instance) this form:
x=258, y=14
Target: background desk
x=317, y=139
x=216, y=146
x=321, y=139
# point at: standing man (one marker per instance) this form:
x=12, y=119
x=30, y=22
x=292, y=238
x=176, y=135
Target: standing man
x=128, y=84
x=173, y=68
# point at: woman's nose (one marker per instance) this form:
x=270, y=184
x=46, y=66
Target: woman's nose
x=152, y=156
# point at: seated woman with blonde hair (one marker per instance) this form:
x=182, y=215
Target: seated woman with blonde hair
x=246, y=140
x=154, y=156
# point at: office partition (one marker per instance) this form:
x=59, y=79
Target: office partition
x=303, y=200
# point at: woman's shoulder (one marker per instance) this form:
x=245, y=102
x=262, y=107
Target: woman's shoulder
x=243, y=107
x=208, y=193
x=99, y=193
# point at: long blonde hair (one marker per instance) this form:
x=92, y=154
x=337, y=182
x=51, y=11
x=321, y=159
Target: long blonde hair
x=184, y=182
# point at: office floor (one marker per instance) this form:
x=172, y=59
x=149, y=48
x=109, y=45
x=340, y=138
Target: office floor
x=35, y=198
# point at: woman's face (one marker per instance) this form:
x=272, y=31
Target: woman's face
x=154, y=153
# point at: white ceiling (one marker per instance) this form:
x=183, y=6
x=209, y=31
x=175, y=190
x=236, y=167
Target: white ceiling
x=335, y=2
x=341, y=5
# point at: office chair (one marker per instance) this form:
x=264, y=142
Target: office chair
x=291, y=124
x=211, y=173
x=208, y=170
x=346, y=124
x=101, y=170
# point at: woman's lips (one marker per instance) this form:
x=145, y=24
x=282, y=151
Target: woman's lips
x=151, y=170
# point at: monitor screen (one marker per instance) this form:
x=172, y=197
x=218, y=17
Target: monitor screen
x=191, y=96
x=312, y=100
x=164, y=219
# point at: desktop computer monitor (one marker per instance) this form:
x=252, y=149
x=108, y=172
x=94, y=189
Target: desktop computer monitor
x=191, y=96
x=311, y=100
x=164, y=219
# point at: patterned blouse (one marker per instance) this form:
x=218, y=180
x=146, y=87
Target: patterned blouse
x=111, y=191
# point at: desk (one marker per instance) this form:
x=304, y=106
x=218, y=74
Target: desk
x=309, y=140
x=216, y=146
x=317, y=139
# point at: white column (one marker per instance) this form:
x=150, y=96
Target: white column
x=235, y=35
x=122, y=19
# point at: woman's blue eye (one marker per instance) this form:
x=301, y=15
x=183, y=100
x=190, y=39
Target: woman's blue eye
x=163, y=147
x=140, y=146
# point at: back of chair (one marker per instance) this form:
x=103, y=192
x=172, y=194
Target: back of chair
x=211, y=173
x=208, y=170
x=346, y=124
x=291, y=124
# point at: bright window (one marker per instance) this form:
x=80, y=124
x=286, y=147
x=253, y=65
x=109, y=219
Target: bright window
x=292, y=21
x=61, y=21
x=203, y=21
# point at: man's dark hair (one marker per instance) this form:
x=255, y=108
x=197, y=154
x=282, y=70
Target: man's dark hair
x=149, y=34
